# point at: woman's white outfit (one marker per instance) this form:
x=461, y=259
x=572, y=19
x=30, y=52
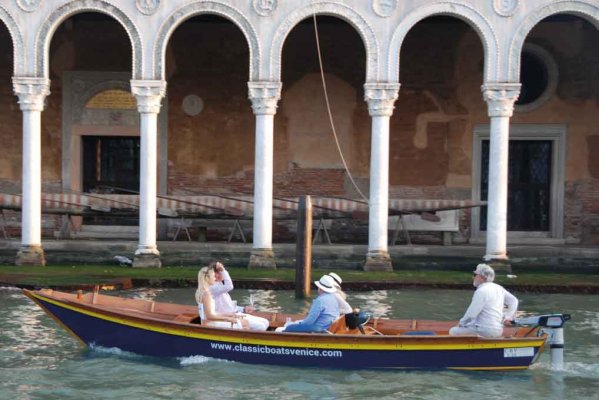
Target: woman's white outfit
x=217, y=324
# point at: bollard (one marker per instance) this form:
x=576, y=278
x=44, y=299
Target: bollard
x=303, y=248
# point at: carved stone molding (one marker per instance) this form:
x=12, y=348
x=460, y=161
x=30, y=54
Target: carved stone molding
x=42, y=40
x=264, y=7
x=500, y=98
x=381, y=98
x=505, y=8
x=31, y=92
x=465, y=12
x=147, y=7
x=149, y=94
x=332, y=9
x=581, y=8
x=29, y=5
x=384, y=8
x=181, y=14
x=264, y=96
x=17, y=40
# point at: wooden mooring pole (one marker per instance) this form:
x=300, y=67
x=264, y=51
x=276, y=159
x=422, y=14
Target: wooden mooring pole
x=303, y=248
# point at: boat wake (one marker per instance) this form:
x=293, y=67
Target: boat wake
x=113, y=351
x=572, y=369
x=195, y=360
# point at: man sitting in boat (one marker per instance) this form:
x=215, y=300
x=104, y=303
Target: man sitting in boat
x=486, y=316
x=223, y=303
x=344, y=307
x=205, y=302
x=323, y=312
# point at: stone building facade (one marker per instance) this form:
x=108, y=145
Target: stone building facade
x=494, y=100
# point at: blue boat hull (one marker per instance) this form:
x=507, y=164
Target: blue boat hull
x=161, y=339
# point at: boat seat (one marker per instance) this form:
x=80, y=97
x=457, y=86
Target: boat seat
x=187, y=318
x=424, y=333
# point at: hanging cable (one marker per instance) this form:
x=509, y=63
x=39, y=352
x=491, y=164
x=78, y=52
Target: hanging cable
x=326, y=98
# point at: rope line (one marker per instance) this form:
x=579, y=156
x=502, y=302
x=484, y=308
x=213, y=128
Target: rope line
x=326, y=98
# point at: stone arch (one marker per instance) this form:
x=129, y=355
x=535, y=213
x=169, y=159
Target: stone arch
x=588, y=10
x=335, y=10
x=466, y=13
x=18, y=48
x=205, y=7
x=44, y=36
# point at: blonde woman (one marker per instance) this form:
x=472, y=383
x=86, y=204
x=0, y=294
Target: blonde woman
x=206, y=304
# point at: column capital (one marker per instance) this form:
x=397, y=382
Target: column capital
x=149, y=94
x=31, y=92
x=500, y=98
x=380, y=98
x=264, y=96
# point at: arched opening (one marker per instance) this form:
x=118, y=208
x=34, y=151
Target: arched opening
x=307, y=157
x=10, y=120
x=553, y=168
x=442, y=61
x=91, y=146
x=211, y=123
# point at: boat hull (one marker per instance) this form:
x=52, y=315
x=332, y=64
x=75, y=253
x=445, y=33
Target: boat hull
x=170, y=339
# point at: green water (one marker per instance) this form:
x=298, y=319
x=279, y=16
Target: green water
x=39, y=360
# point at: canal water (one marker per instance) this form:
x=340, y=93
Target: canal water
x=39, y=360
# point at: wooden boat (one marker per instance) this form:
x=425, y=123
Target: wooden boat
x=167, y=330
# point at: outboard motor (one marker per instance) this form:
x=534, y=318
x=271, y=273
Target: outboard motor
x=553, y=325
x=357, y=319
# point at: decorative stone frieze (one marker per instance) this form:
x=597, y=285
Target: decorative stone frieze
x=264, y=7
x=31, y=92
x=505, y=8
x=264, y=96
x=500, y=98
x=381, y=97
x=147, y=7
x=384, y=8
x=29, y=5
x=149, y=94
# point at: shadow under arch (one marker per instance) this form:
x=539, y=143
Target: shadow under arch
x=58, y=16
x=330, y=9
x=463, y=12
x=588, y=10
x=185, y=12
x=18, y=47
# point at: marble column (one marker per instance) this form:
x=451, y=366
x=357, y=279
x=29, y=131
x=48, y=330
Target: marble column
x=500, y=98
x=149, y=94
x=32, y=93
x=264, y=97
x=380, y=98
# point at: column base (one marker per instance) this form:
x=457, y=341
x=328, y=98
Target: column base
x=262, y=259
x=500, y=265
x=31, y=255
x=378, y=261
x=147, y=258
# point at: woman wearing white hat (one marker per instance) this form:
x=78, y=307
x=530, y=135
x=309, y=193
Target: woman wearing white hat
x=344, y=307
x=323, y=312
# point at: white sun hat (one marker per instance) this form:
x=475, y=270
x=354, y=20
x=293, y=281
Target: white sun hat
x=326, y=284
x=336, y=278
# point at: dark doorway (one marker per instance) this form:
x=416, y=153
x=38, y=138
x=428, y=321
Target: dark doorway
x=529, y=185
x=110, y=164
